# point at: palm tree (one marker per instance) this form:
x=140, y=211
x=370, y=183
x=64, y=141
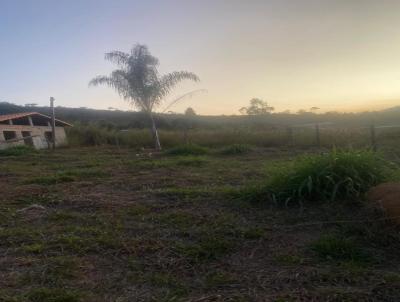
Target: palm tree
x=137, y=80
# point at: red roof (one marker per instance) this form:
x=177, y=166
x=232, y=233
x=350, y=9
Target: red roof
x=13, y=116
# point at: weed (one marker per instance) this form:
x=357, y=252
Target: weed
x=253, y=233
x=218, y=279
x=185, y=150
x=208, y=248
x=184, y=193
x=35, y=248
x=235, y=149
x=338, y=175
x=191, y=162
x=68, y=176
x=177, y=219
x=17, y=151
x=50, y=180
x=52, y=295
x=391, y=277
x=334, y=247
x=289, y=259
x=55, y=271
x=137, y=209
x=63, y=216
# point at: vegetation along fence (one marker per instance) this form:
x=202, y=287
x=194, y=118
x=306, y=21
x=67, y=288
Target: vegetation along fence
x=325, y=135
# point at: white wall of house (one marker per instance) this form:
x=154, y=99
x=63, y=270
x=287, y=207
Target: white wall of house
x=38, y=133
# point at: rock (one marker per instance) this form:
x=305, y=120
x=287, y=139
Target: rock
x=386, y=196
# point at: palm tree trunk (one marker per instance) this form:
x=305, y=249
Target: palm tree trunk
x=154, y=133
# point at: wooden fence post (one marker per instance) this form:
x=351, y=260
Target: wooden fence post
x=53, y=123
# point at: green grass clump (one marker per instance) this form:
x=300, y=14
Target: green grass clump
x=337, y=248
x=236, y=149
x=17, y=151
x=187, y=150
x=338, y=175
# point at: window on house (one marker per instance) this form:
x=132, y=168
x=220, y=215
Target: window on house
x=9, y=135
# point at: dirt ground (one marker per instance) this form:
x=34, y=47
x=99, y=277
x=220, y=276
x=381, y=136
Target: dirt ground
x=108, y=224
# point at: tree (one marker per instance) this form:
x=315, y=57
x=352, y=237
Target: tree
x=138, y=81
x=257, y=107
x=190, y=111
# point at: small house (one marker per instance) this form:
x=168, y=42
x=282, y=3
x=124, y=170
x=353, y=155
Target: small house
x=32, y=129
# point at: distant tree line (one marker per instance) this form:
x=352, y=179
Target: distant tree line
x=117, y=119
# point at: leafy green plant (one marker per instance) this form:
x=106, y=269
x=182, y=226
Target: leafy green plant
x=338, y=175
x=185, y=150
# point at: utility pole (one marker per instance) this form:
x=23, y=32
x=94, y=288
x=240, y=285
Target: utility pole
x=53, y=123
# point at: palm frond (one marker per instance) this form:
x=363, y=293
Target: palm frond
x=141, y=53
x=117, y=80
x=118, y=57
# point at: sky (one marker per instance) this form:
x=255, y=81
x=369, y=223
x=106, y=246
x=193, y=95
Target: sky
x=341, y=55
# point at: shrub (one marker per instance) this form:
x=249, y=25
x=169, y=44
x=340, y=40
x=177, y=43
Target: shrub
x=187, y=150
x=17, y=151
x=338, y=175
x=236, y=149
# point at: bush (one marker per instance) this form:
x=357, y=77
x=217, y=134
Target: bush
x=338, y=175
x=236, y=149
x=17, y=151
x=187, y=150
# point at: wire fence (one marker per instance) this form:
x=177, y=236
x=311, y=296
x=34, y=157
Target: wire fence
x=305, y=135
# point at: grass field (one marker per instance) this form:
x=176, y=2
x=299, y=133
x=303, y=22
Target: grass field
x=295, y=137
x=112, y=225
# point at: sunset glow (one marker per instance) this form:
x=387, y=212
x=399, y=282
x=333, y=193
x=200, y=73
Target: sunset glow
x=337, y=55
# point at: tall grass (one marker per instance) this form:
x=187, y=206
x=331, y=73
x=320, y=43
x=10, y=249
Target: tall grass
x=90, y=135
x=338, y=175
